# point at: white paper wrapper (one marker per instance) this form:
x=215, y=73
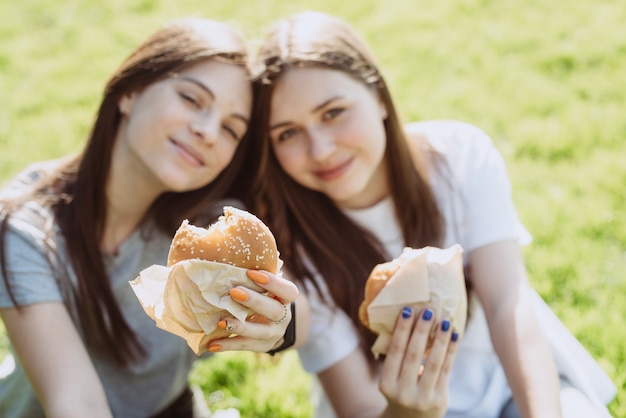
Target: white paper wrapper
x=190, y=297
x=432, y=278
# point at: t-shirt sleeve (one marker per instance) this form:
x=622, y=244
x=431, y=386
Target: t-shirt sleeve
x=490, y=214
x=29, y=272
x=332, y=336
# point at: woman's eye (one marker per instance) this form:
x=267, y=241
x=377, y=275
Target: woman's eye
x=332, y=113
x=232, y=132
x=191, y=99
x=286, y=134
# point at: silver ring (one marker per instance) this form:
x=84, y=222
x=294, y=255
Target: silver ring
x=281, y=320
x=230, y=327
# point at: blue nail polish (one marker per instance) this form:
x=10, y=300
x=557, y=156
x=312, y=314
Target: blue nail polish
x=445, y=325
x=455, y=336
x=406, y=312
x=427, y=315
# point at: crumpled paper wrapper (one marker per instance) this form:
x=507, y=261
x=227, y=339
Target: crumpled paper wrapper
x=190, y=297
x=433, y=279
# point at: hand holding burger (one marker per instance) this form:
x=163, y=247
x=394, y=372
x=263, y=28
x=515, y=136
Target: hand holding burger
x=419, y=278
x=206, y=293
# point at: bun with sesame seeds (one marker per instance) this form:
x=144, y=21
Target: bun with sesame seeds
x=237, y=238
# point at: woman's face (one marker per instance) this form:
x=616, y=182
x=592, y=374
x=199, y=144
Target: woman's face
x=327, y=133
x=182, y=131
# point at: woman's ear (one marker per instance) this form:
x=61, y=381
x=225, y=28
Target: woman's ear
x=126, y=102
x=381, y=104
x=383, y=109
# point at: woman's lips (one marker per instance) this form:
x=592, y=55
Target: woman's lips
x=334, y=172
x=188, y=154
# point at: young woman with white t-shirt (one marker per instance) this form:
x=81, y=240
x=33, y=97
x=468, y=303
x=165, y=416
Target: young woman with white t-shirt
x=345, y=186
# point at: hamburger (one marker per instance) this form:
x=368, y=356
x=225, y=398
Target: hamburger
x=429, y=277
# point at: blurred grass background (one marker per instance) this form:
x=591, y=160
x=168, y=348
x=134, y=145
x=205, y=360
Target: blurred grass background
x=545, y=79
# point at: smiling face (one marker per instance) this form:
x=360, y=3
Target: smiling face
x=327, y=133
x=181, y=132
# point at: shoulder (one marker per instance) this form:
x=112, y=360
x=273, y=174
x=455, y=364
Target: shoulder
x=462, y=147
x=30, y=230
x=30, y=225
x=24, y=181
x=447, y=137
x=27, y=213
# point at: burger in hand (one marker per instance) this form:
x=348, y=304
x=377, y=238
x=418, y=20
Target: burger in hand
x=429, y=277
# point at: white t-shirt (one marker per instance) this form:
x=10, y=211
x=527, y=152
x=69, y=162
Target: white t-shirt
x=474, y=195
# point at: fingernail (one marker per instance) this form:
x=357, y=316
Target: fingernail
x=455, y=336
x=406, y=312
x=445, y=325
x=238, y=294
x=427, y=315
x=215, y=348
x=222, y=324
x=258, y=277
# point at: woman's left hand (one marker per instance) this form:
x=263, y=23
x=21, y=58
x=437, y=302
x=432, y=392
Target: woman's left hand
x=264, y=330
x=412, y=388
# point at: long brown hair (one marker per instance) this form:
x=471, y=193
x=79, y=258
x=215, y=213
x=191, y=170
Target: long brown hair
x=308, y=222
x=75, y=193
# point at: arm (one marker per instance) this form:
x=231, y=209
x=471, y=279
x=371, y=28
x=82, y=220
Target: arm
x=55, y=361
x=404, y=388
x=303, y=320
x=500, y=282
x=351, y=388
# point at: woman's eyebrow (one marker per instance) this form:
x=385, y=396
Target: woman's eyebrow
x=279, y=125
x=210, y=93
x=199, y=84
x=314, y=110
x=325, y=103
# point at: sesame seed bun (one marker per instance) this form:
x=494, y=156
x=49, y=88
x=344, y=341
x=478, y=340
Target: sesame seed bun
x=237, y=238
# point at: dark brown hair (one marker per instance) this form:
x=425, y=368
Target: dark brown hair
x=75, y=193
x=307, y=222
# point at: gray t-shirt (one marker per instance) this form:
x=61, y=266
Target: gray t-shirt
x=138, y=391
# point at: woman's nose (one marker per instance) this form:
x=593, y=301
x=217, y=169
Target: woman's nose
x=322, y=145
x=206, y=126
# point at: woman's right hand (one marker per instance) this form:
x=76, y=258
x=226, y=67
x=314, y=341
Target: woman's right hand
x=413, y=387
x=265, y=329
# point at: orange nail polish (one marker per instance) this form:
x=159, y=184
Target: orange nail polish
x=238, y=294
x=258, y=277
x=215, y=348
x=222, y=324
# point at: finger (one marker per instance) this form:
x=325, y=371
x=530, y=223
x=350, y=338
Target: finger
x=228, y=324
x=261, y=304
x=236, y=343
x=395, y=353
x=248, y=336
x=446, y=368
x=285, y=290
x=436, y=357
x=415, y=350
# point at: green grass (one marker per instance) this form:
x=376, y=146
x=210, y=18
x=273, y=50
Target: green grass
x=255, y=384
x=544, y=79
